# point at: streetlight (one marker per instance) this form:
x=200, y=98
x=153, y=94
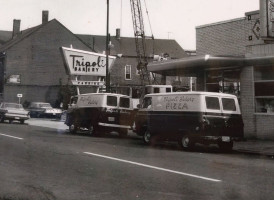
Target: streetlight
x=107, y=51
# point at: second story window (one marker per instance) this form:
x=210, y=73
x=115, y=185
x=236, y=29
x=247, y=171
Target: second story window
x=128, y=72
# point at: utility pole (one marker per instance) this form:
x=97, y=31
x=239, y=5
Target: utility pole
x=107, y=51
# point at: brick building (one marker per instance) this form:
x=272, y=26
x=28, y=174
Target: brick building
x=237, y=56
x=31, y=63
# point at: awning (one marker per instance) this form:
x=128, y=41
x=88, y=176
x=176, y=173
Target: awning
x=199, y=63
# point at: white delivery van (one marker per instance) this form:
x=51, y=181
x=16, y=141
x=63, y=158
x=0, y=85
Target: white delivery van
x=100, y=113
x=190, y=117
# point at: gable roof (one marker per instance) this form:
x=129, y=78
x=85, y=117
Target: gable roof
x=25, y=33
x=126, y=46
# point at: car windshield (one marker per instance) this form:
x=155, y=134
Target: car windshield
x=45, y=105
x=13, y=105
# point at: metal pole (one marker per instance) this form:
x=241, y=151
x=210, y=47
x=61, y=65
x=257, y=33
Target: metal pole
x=107, y=51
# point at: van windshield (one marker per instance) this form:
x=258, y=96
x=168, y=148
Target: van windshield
x=111, y=101
x=212, y=103
x=228, y=104
x=124, y=102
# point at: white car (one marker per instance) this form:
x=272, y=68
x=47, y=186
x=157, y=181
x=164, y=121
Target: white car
x=41, y=109
x=13, y=112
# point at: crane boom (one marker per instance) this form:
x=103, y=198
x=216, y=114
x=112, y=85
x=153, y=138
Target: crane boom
x=139, y=33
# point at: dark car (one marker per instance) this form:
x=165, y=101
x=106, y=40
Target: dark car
x=13, y=112
x=42, y=109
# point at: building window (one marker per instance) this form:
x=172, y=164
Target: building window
x=263, y=86
x=128, y=72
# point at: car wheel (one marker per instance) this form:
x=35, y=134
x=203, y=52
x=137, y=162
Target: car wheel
x=148, y=138
x=186, y=142
x=22, y=121
x=10, y=121
x=73, y=129
x=225, y=146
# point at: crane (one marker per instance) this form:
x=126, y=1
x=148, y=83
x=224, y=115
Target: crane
x=140, y=37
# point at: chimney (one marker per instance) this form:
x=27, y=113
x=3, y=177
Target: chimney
x=16, y=27
x=45, y=16
x=118, y=33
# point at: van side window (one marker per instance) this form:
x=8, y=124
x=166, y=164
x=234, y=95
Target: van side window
x=111, y=101
x=168, y=90
x=147, y=102
x=212, y=103
x=228, y=104
x=124, y=102
x=156, y=90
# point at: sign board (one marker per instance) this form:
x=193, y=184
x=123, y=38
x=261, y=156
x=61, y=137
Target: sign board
x=88, y=83
x=19, y=95
x=266, y=18
x=78, y=62
x=14, y=79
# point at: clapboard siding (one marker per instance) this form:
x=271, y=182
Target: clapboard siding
x=37, y=58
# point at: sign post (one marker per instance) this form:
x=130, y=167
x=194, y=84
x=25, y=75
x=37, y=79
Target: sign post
x=19, y=97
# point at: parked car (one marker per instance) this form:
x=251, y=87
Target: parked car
x=13, y=112
x=100, y=113
x=42, y=109
x=189, y=118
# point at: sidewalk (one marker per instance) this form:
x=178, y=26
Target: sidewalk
x=258, y=147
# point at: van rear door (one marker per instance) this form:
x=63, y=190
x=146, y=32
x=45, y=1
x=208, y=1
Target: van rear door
x=232, y=117
x=213, y=116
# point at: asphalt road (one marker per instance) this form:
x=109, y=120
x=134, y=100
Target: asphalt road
x=43, y=163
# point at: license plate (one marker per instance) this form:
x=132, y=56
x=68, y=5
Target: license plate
x=111, y=119
x=225, y=139
x=16, y=118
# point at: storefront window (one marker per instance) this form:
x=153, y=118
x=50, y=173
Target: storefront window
x=225, y=81
x=263, y=85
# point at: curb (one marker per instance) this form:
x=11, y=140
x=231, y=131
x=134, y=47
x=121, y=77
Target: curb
x=253, y=152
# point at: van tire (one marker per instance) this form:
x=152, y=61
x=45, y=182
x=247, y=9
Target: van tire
x=225, y=146
x=148, y=138
x=187, y=142
x=92, y=130
x=123, y=133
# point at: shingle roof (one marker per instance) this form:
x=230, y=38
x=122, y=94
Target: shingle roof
x=126, y=46
x=5, y=36
x=25, y=33
x=18, y=38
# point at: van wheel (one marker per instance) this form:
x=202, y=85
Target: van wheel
x=225, y=146
x=187, y=142
x=73, y=129
x=148, y=138
x=123, y=133
x=92, y=130
x=1, y=119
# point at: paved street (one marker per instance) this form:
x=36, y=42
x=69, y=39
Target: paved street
x=48, y=163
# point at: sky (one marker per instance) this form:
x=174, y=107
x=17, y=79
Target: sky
x=169, y=19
